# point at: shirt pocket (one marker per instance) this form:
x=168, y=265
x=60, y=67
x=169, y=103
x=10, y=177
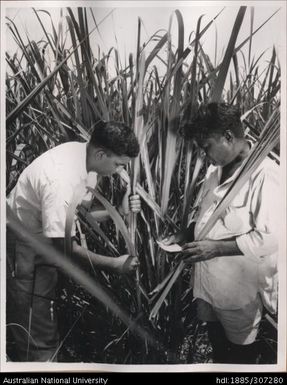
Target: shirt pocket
x=237, y=217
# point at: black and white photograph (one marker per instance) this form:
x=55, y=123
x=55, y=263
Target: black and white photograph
x=143, y=186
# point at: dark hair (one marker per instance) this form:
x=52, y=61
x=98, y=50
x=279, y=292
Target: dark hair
x=214, y=118
x=116, y=137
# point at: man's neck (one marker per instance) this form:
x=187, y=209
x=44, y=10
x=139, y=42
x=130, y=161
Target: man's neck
x=243, y=148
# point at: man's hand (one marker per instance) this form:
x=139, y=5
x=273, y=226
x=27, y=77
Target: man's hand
x=208, y=249
x=135, y=203
x=125, y=264
x=201, y=250
x=130, y=203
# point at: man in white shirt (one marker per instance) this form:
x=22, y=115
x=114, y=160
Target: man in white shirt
x=40, y=201
x=235, y=273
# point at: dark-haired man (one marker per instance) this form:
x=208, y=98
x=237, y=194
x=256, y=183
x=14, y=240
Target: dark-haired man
x=40, y=201
x=236, y=273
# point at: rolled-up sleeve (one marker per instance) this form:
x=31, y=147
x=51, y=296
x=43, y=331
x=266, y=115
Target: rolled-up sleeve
x=55, y=198
x=265, y=213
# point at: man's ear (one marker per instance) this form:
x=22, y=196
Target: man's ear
x=99, y=153
x=229, y=136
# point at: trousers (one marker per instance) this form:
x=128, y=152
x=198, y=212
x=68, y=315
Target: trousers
x=224, y=351
x=232, y=333
x=31, y=322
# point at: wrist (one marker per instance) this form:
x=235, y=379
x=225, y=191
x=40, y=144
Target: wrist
x=219, y=248
x=122, y=211
x=227, y=247
x=110, y=264
x=114, y=265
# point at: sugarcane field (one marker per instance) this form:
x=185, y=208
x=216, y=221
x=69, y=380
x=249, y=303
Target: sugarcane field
x=145, y=212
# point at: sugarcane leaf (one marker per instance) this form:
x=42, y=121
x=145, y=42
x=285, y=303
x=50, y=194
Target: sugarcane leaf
x=20, y=107
x=253, y=33
x=216, y=93
x=116, y=218
x=156, y=50
x=170, y=282
x=172, y=119
x=191, y=189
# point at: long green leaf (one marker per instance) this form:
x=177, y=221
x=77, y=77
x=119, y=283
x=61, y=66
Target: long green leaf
x=16, y=112
x=117, y=220
x=173, y=118
x=216, y=93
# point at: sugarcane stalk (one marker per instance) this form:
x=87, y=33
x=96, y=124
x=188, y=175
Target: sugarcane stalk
x=138, y=128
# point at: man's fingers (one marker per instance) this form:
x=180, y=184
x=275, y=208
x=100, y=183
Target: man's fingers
x=135, y=209
x=192, y=252
x=132, y=262
x=134, y=197
x=135, y=261
x=193, y=259
x=191, y=248
x=191, y=245
x=135, y=203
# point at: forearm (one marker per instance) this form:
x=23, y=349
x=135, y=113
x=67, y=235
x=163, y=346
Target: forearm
x=123, y=264
x=226, y=247
x=97, y=213
x=85, y=256
x=100, y=215
x=208, y=249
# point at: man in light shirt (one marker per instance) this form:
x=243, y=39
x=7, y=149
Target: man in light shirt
x=235, y=273
x=40, y=201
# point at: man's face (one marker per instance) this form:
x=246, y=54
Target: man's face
x=218, y=149
x=106, y=164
